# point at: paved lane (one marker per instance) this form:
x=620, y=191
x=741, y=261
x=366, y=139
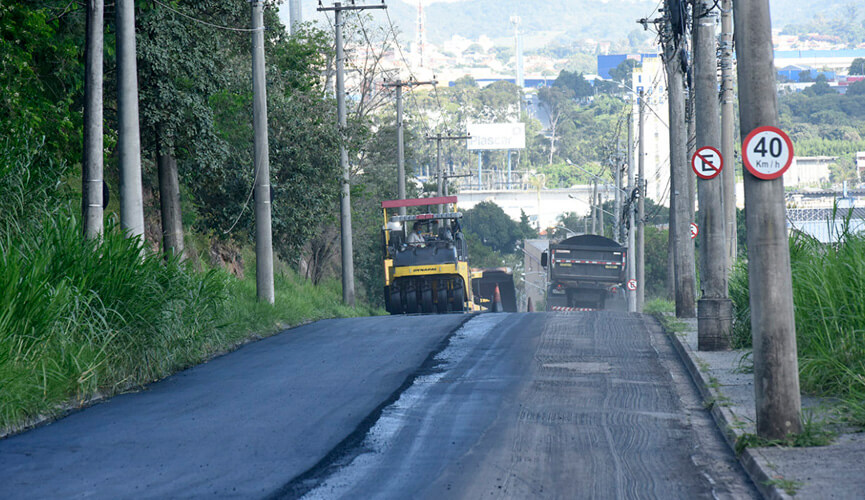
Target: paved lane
x=241, y=425
x=581, y=405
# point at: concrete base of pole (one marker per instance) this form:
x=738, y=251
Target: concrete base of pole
x=714, y=324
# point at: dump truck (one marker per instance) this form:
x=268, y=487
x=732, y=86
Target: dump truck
x=583, y=272
x=425, y=258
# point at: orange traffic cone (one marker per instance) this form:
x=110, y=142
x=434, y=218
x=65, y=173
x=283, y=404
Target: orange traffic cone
x=530, y=307
x=497, y=301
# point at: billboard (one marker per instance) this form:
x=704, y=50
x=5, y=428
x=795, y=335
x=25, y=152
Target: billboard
x=494, y=136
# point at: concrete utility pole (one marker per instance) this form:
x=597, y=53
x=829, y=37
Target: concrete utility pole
x=729, y=172
x=169, y=200
x=128, y=135
x=641, y=211
x=400, y=143
x=715, y=310
x=776, y=372
x=632, y=230
x=439, y=174
x=594, y=207
x=295, y=15
x=617, y=196
x=92, y=180
x=345, y=194
x=263, y=231
x=681, y=216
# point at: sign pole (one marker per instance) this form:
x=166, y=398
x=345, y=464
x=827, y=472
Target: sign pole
x=714, y=309
x=773, y=326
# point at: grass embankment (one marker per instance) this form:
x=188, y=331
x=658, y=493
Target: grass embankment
x=81, y=319
x=829, y=302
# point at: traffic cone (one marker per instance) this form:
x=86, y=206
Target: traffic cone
x=497, y=301
x=530, y=307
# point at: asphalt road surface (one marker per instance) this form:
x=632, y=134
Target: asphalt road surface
x=570, y=405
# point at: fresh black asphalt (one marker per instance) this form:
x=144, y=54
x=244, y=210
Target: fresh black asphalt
x=241, y=425
x=571, y=405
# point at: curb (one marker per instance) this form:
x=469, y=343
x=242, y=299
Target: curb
x=754, y=464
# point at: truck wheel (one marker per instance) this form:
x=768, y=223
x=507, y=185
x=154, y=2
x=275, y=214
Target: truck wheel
x=459, y=304
x=427, y=300
x=411, y=301
x=395, y=302
x=442, y=299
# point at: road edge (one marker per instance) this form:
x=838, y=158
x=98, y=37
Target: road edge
x=755, y=465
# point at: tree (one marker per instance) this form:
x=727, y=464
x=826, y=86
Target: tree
x=41, y=75
x=805, y=76
x=622, y=72
x=556, y=102
x=176, y=117
x=575, y=82
x=492, y=226
x=856, y=89
x=858, y=66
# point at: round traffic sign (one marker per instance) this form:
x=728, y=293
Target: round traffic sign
x=632, y=285
x=767, y=152
x=695, y=230
x=707, y=162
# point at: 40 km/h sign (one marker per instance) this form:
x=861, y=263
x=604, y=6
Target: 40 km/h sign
x=707, y=162
x=767, y=152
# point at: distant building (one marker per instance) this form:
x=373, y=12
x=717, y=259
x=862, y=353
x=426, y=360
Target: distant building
x=808, y=171
x=650, y=79
x=606, y=63
x=833, y=60
x=860, y=165
x=793, y=73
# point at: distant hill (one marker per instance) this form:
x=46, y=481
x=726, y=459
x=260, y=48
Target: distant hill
x=573, y=19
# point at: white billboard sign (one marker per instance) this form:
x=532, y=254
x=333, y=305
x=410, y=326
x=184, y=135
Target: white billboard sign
x=494, y=136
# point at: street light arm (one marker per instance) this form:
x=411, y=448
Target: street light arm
x=587, y=203
x=606, y=181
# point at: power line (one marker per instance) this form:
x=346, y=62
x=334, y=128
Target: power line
x=200, y=21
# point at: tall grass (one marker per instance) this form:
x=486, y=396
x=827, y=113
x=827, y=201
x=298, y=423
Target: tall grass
x=82, y=318
x=829, y=301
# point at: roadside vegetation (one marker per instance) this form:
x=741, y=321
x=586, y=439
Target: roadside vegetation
x=85, y=318
x=81, y=320
x=829, y=301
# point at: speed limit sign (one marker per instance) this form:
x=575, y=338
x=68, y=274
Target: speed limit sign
x=767, y=152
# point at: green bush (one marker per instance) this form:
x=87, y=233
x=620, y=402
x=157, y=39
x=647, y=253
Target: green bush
x=829, y=302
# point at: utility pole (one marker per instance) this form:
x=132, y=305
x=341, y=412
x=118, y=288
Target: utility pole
x=728, y=173
x=439, y=175
x=345, y=192
x=295, y=15
x=632, y=229
x=681, y=216
x=773, y=326
x=92, y=180
x=715, y=309
x=599, y=206
x=400, y=143
x=641, y=210
x=617, y=194
x=594, y=205
x=128, y=135
x=263, y=231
